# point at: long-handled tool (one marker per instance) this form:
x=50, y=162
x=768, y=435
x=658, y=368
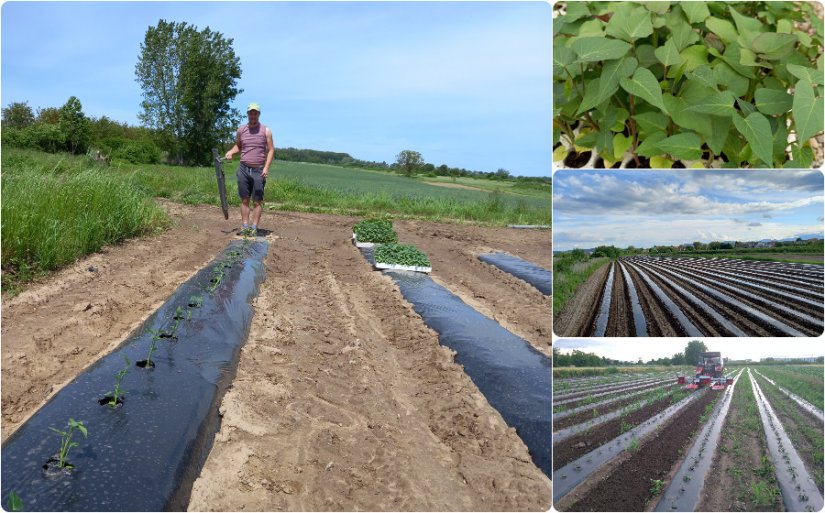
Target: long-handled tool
x=221, y=182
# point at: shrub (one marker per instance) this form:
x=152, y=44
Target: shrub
x=707, y=83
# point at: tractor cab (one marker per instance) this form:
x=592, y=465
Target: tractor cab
x=709, y=372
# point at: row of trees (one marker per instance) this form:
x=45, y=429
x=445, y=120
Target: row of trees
x=67, y=128
x=577, y=358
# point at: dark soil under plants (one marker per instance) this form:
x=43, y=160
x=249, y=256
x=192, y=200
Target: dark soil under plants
x=627, y=488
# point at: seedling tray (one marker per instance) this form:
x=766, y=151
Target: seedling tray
x=363, y=244
x=396, y=267
x=145, y=454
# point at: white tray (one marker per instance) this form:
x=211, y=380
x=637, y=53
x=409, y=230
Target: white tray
x=396, y=267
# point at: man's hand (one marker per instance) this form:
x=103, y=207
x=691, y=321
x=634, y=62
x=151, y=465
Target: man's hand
x=228, y=155
x=264, y=172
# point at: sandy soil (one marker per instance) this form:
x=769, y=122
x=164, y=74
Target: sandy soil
x=577, y=317
x=343, y=399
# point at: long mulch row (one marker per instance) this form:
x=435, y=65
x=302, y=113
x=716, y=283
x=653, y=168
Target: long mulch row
x=627, y=488
x=581, y=444
x=588, y=414
x=577, y=319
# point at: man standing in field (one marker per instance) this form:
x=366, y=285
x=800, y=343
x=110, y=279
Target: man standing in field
x=254, y=142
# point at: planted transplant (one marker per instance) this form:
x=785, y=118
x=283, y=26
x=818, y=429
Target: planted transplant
x=66, y=443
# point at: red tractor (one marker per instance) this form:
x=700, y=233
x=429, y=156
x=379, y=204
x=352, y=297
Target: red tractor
x=710, y=372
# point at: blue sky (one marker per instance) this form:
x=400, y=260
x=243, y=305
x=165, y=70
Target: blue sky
x=655, y=348
x=466, y=84
x=646, y=208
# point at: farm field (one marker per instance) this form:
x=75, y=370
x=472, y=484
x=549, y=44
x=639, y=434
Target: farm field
x=343, y=399
x=661, y=297
x=689, y=450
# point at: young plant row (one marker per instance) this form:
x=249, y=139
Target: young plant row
x=115, y=398
x=387, y=250
x=705, y=84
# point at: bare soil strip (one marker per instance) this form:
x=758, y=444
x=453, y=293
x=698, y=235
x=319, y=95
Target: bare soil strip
x=578, y=316
x=343, y=399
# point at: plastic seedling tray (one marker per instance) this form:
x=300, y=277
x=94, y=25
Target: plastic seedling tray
x=397, y=267
x=363, y=244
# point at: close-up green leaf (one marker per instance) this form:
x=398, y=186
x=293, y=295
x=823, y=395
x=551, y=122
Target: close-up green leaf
x=677, y=84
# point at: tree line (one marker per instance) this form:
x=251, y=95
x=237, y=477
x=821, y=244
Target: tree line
x=577, y=358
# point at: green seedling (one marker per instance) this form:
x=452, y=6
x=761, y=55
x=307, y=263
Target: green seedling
x=217, y=278
x=196, y=301
x=119, y=392
x=375, y=230
x=633, y=446
x=152, y=346
x=404, y=254
x=656, y=486
x=66, y=443
x=14, y=503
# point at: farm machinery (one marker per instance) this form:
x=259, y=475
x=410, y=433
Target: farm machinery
x=710, y=372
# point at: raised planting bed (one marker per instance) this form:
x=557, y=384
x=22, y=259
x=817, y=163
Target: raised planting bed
x=401, y=257
x=144, y=453
x=538, y=277
x=369, y=232
x=569, y=448
x=513, y=376
x=684, y=491
x=577, y=471
x=630, y=484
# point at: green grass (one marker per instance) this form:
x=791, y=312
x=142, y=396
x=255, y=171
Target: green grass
x=568, y=275
x=57, y=208
x=57, y=211
x=806, y=381
x=296, y=186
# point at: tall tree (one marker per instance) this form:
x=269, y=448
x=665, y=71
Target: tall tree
x=409, y=161
x=18, y=115
x=189, y=78
x=74, y=126
x=693, y=350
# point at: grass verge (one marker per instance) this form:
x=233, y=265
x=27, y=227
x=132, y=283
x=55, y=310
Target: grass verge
x=569, y=272
x=54, y=214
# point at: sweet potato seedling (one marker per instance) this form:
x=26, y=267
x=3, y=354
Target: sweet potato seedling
x=118, y=392
x=14, y=503
x=66, y=443
x=690, y=84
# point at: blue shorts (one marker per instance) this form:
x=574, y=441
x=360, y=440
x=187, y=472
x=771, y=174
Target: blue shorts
x=250, y=182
